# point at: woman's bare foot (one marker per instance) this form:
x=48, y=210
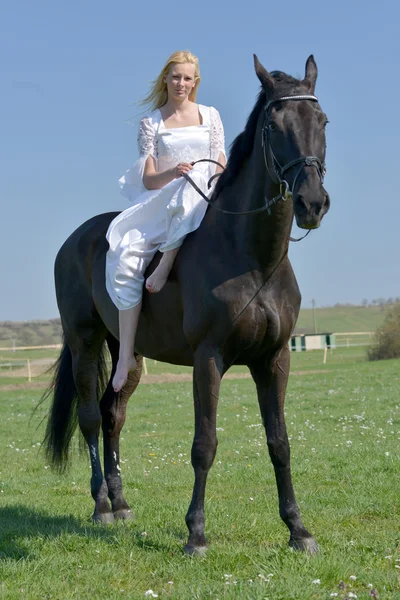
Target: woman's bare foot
x=158, y=278
x=121, y=374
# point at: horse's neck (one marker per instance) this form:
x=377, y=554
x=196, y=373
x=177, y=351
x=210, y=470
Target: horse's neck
x=263, y=236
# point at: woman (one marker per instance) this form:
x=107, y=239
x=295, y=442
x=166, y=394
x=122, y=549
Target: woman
x=166, y=207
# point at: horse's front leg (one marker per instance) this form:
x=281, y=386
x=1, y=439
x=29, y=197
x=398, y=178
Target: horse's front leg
x=271, y=381
x=207, y=374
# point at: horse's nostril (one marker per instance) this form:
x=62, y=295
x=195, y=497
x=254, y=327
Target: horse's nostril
x=302, y=203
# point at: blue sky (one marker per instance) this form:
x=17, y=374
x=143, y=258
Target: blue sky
x=73, y=73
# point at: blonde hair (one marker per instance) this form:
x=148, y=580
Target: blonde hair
x=158, y=94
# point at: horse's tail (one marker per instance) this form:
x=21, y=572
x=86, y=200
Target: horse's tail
x=63, y=416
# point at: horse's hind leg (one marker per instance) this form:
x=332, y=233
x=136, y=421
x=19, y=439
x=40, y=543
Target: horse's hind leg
x=271, y=381
x=113, y=412
x=85, y=366
x=208, y=370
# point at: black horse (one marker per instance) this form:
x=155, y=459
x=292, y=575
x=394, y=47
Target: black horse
x=231, y=299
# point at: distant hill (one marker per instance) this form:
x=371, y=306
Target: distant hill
x=334, y=319
x=341, y=319
x=30, y=333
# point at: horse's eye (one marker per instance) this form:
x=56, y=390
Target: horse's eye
x=272, y=126
x=326, y=122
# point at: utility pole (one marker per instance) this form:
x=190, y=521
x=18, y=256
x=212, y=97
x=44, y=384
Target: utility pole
x=314, y=317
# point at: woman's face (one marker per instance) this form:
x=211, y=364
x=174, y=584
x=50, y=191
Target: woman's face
x=180, y=80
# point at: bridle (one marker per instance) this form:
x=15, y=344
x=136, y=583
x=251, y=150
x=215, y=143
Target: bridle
x=275, y=170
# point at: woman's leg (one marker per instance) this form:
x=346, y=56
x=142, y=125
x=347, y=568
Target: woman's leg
x=128, y=322
x=159, y=277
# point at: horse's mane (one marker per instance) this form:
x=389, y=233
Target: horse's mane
x=242, y=145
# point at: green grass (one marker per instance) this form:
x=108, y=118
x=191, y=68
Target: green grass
x=300, y=361
x=344, y=425
x=329, y=319
x=336, y=319
x=6, y=355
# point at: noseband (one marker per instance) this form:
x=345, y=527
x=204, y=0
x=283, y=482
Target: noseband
x=275, y=170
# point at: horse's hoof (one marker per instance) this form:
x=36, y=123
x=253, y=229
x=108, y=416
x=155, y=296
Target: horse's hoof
x=192, y=550
x=103, y=518
x=124, y=514
x=305, y=544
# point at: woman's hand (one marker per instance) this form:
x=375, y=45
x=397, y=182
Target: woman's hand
x=181, y=169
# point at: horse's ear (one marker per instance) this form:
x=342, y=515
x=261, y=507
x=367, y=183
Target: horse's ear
x=266, y=80
x=311, y=74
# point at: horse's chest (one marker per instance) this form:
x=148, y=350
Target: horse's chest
x=237, y=311
x=257, y=324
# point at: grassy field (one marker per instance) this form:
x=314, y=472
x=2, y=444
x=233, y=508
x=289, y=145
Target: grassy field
x=331, y=319
x=16, y=373
x=341, y=319
x=343, y=420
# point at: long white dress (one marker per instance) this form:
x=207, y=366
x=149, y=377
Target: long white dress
x=160, y=219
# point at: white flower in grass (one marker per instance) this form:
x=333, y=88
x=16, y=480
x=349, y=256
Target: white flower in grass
x=353, y=577
x=264, y=578
x=334, y=594
x=370, y=585
x=150, y=594
x=316, y=581
x=351, y=595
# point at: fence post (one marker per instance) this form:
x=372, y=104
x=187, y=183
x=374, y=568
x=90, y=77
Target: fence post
x=325, y=353
x=144, y=365
x=29, y=370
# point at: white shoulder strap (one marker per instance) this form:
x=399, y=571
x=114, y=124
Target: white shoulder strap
x=205, y=113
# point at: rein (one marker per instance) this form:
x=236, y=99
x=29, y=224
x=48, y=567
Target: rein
x=276, y=172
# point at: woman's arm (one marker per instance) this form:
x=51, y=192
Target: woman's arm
x=222, y=160
x=153, y=180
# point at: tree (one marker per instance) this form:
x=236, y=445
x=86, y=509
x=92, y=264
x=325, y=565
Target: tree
x=387, y=337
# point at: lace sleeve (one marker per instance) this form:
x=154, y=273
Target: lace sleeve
x=131, y=183
x=217, y=132
x=146, y=138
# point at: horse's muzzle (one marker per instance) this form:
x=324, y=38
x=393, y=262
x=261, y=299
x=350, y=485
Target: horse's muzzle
x=309, y=210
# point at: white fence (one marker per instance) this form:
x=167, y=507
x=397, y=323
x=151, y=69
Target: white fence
x=29, y=367
x=354, y=338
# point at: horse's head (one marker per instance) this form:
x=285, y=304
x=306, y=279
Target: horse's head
x=293, y=139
